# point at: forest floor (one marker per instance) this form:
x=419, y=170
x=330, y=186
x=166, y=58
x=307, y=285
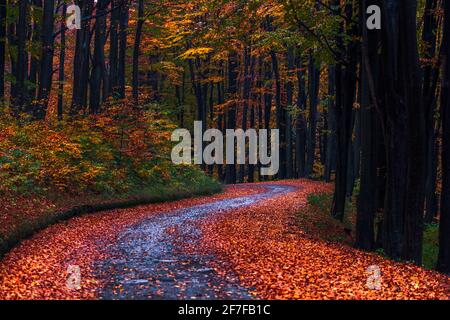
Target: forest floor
x=246, y=242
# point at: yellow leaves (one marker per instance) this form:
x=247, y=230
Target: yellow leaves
x=200, y=53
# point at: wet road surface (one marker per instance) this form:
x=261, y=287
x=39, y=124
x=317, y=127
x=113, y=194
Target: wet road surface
x=148, y=262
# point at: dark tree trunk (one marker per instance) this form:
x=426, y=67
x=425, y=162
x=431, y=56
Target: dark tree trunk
x=280, y=116
x=253, y=97
x=313, y=94
x=2, y=48
x=123, y=25
x=220, y=126
x=413, y=235
x=179, y=91
x=403, y=120
x=432, y=197
x=300, y=121
x=19, y=93
x=35, y=37
x=136, y=50
x=98, y=63
x=367, y=199
x=354, y=152
x=443, y=264
x=331, y=131
x=62, y=59
x=290, y=100
x=81, y=61
x=268, y=96
x=200, y=98
x=113, y=49
x=230, y=169
x=345, y=98
x=430, y=77
x=246, y=97
x=46, y=69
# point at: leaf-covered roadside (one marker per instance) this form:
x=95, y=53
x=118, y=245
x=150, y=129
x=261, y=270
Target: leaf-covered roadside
x=120, y=156
x=263, y=245
x=37, y=268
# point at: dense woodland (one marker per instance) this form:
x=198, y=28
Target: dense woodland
x=368, y=110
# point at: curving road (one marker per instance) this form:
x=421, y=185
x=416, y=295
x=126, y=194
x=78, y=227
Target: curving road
x=148, y=261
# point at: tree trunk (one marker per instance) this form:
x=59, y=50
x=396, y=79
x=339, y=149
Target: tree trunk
x=430, y=77
x=345, y=98
x=62, y=59
x=413, y=235
x=290, y=100
x=280, y=116
x=331, y=140
x=19, y=92
x=300, y=121
x=2, y=48
x=367, y=199
x=443, y=264
x=230, y=168
x=34, y=37
x=313, y=94
x=98, y=63
x=136, y=49
x=123, y=25
x=113, y=49
x=246, y=98
x=81, y=61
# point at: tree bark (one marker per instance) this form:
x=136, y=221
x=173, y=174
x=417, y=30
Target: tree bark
x=443, y=264
x=123, y=26
x=113, y=49
x=81, y=61
x=345, y=98
x=313, y=93
x=290, y=100
x=230, y=168
x=98, y=61
x=300, y=121
x=280, y=115
x=136, y=51
x=62, y=59
x=330, y=162
x=2, y=48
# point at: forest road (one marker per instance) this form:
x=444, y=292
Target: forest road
x=150, y=260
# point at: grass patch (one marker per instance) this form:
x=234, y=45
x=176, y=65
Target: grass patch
x=316, y=220
x=430, y=246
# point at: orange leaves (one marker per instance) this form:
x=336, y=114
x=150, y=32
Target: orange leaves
x=259, y=245
x=263, y=247
x=37, y=268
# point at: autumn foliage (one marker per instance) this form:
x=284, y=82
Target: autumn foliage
x=49, y=167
